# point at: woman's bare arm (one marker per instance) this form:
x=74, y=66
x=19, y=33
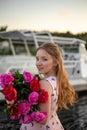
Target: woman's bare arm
x=45, y=107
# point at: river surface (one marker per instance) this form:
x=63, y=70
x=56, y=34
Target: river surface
x=73, y=119
x=76, y=117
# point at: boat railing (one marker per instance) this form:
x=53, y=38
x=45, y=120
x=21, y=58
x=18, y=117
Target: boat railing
x=18, y=58
x=28, y=66
x=73, y=68
x=72, y=50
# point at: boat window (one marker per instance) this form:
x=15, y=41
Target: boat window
x=70, y=48
x=19, y=46
x=5, y=48
x=31, y=47
x=19, y=49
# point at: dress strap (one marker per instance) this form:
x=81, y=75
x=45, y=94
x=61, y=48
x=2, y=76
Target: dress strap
x=53, y=82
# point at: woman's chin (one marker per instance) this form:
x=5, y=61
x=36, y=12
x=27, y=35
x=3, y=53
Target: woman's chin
x=40, y=72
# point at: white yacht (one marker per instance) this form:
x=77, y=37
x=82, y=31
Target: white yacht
x=17, y=49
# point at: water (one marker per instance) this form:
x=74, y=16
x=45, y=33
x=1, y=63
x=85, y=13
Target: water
x=76, y=117
x=72, y=119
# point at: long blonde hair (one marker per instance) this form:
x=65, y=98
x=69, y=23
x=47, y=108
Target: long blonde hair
x=67, y=94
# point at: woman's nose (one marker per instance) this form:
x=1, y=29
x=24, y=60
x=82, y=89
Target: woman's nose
x=39, y=62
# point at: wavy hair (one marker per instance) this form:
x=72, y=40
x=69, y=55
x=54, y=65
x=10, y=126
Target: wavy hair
x=66, y=92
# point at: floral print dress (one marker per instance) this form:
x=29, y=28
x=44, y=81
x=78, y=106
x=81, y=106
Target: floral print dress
x=53, y=122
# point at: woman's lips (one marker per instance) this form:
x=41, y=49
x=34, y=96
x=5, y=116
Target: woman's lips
x=40, y=68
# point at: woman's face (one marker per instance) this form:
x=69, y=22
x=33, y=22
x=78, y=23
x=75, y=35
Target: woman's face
x=45, y=63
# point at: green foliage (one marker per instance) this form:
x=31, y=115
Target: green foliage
x=82, y=36
x=3, y=28
x=35, y=108
x=21, y=87
x=86, y=46
x=5, y=51
x=36, y=75
x=33, y=52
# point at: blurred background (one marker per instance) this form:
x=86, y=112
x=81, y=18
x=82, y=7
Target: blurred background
x=26, y=24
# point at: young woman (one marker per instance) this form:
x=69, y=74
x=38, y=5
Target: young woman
x=50, y=64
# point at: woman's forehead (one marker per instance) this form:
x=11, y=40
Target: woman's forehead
x=43, y=53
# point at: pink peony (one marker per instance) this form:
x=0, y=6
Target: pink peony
x=24, y=107
x=33, y=98
x=26, y=119
x=6, y=79
x=27, y=76
x=23, y=96
x=38, y=116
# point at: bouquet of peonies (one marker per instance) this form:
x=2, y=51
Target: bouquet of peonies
x=23, y=96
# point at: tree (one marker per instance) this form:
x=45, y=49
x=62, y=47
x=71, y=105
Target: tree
x=3, y=28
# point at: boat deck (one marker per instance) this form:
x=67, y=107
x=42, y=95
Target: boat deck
x=79, y=84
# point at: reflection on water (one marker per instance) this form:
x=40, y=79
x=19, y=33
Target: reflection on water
x=76, y=117
x=72, y=119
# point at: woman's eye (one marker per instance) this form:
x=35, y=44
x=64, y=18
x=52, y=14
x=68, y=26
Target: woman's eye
x=42, y=59
x=45, y=59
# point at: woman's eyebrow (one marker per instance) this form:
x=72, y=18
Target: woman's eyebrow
x=41, y=56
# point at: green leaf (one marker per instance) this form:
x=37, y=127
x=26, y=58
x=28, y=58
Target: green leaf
x=37, y=75
x=0, y=91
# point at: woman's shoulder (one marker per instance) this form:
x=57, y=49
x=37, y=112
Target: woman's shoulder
x=45, y=80
x=53, y=82
x=45, y=84
x=51, y=78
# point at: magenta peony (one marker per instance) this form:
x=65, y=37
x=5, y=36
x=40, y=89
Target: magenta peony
x=38, y=116
x=27, y=119
x=33, y=98
x=23, y=96
x=24, y=107
x=27, y=76
x=6, y=79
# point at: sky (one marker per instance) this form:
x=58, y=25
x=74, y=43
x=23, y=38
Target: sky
x=50, y=15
